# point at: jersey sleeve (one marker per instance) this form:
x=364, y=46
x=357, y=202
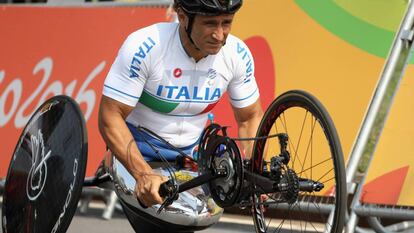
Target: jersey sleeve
x=127, y=76
x=242, y=89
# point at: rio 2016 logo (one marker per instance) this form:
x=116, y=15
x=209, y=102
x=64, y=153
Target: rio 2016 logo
x=15, y=89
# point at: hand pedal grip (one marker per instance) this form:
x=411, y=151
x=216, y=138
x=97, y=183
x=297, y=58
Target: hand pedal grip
x=166, y=189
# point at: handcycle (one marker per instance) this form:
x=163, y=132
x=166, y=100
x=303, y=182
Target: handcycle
x=294, y=179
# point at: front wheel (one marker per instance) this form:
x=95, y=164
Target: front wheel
x=315, y=155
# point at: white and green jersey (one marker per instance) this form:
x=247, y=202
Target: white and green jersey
x=171, y=93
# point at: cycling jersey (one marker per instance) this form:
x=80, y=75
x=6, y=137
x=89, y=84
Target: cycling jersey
x=171, y=92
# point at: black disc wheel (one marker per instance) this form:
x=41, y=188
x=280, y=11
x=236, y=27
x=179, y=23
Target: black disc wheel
x=46, y=173
x=315, y=157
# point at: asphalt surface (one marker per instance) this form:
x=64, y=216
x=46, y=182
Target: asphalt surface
x=92, y=222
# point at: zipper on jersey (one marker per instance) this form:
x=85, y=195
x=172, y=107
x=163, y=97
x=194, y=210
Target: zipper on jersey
x=187, y=104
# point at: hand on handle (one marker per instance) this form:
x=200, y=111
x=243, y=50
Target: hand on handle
x=147, y=189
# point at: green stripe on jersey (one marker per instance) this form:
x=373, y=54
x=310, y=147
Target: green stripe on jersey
x=157, y=104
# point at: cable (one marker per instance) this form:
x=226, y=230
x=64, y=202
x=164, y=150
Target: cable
x=157, y=152
x=164, y=141
x=168, y=167
x=256, y=138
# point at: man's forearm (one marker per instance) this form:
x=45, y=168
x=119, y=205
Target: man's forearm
x=248, y=129
x=119, y=139
x=248, y=120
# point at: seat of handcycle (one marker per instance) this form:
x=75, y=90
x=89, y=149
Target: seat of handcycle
x=193, y=210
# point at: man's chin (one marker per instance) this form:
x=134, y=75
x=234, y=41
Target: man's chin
x=213, y=51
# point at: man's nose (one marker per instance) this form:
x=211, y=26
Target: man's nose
x=218, y=34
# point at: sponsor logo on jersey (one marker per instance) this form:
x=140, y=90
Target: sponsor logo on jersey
x=211, y=75
x=139, y=56
x=245, y=55
x=177, y=72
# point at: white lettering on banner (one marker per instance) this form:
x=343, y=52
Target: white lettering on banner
x=46, y=65
x=89, y=96
x=16, y=87
x=84, y=95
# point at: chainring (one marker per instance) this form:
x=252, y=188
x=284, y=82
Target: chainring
x=220, y=153
x=209, y=133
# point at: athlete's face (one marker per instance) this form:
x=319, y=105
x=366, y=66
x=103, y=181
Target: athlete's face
x=209, y=33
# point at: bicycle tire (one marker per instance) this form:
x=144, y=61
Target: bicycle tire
x=307, y=213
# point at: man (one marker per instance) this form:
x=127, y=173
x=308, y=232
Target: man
x=167, y=77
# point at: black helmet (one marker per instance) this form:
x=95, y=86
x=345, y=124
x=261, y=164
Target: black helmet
x=209, y=7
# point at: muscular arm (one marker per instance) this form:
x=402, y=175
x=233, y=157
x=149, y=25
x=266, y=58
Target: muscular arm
x=248, y=120
x=119, y=139
x=117, y=136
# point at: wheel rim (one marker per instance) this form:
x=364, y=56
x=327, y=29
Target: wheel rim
x=314, y=150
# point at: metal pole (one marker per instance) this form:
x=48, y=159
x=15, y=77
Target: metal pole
x=393, y=70
x=384, y=212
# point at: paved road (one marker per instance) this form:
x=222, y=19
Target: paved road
x=93, y=223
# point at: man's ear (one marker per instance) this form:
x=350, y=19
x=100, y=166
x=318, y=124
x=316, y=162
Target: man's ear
x=182, y=17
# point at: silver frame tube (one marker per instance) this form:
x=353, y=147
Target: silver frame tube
x=385, y=212
x=394, y=69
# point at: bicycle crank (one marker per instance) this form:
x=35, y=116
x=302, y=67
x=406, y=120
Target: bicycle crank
x=222, y=155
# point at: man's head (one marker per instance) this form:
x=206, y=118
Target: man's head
x=207, y=23
x=208, y=7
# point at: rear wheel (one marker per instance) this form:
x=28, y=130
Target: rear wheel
x=315, y=155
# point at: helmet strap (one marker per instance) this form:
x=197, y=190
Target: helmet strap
x=189, y=29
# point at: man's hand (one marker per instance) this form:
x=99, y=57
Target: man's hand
x=147, y=187
x=112, y=115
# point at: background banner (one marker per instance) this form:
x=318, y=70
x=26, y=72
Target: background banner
x=390, y=179
x=334, y=49
x=69, y=51
x=50, y=51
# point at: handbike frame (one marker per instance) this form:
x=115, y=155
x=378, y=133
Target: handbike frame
x=269, y=182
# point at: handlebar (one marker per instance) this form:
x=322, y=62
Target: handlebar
x=166, y=191
x=169, y=190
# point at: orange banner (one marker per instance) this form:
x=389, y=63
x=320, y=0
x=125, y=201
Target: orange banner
x=390, y=176
x=51, y=51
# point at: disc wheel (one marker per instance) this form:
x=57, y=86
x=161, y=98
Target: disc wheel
x=316, y=155
x=46, y=173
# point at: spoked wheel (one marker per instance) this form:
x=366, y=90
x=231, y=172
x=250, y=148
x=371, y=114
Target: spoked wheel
x=315, y=195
